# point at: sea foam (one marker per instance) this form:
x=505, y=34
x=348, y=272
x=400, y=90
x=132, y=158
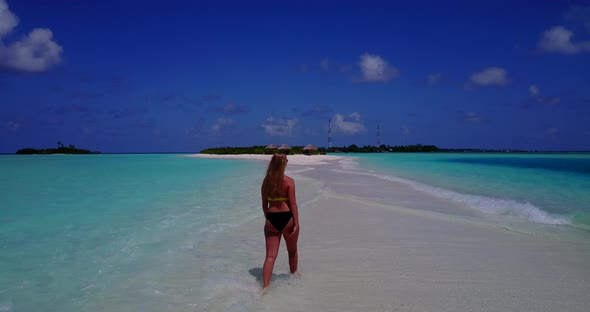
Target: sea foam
x=484, y=204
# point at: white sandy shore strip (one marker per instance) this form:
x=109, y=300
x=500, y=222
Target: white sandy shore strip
x=359, y=254
x=293, y=159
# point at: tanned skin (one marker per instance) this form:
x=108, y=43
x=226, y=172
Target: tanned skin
x=290, y=232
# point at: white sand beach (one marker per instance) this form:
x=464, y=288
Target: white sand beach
x=372, y=245
x=293, y=159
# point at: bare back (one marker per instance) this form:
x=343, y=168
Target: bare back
x=287, y=192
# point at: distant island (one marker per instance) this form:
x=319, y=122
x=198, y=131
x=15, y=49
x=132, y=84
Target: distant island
x=353, y=148
x=61, y=149
x=261, y=149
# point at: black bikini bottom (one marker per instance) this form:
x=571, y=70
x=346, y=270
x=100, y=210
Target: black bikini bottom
x=279, y=219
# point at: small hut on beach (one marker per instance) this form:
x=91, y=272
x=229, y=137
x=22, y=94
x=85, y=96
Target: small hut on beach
x=270, y=149
x=285, y=148
x=309, y=149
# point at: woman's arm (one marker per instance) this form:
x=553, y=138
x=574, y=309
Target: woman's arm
x=264, y=203
x=293, y=202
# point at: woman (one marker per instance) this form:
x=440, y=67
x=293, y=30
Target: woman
x=282, y=217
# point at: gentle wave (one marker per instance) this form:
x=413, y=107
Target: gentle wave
x=295, y=171
x=582, y=220
x=484, y=204
x=498, y=206
x=348, y=163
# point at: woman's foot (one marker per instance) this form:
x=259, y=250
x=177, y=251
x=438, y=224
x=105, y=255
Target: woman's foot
x=264, y=291
x=296, y=275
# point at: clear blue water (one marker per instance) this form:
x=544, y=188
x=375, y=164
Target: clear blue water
x=543, y=188
x=89, y=232
x=134, y=232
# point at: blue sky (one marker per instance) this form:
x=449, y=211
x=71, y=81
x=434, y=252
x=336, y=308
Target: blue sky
x=180, y=76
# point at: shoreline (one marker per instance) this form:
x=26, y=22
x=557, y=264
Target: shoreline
x=447, y=203
x=360, y=252
x=294, y=159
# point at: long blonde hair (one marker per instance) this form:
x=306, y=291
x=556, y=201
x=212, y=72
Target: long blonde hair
x=272, y=186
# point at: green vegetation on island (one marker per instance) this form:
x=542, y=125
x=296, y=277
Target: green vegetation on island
x=260, y=149
x=61, y=149
x=418, y=148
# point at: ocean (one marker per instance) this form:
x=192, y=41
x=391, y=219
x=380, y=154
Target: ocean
x=543, y=188
x=104, y=232
x=146, y=232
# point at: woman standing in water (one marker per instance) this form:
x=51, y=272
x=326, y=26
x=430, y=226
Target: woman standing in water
x=279, y=206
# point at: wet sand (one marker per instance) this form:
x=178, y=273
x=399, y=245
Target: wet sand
x=372, y=245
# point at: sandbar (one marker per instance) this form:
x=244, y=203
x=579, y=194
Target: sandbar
x=372, y=245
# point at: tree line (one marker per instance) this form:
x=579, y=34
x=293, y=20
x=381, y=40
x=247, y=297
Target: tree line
x=61, y=149
x=353, y=148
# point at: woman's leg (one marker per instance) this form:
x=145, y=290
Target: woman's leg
x=291, y=241
x=273, y=240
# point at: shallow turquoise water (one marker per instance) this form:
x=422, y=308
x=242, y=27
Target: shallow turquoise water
x=544, y=188
x=135, y=232
x=76, y=229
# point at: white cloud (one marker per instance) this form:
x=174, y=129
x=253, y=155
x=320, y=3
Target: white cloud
x=36, y=52
x=559, y=39
x=434, y=79
x=350, y=124
x=375, y=69
x=7, y=19
x=472, y=117
x=220, y=124
x=536, y=94
x=279, y=126
x=13, y=125
x=490, y=76
x=229, y=109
